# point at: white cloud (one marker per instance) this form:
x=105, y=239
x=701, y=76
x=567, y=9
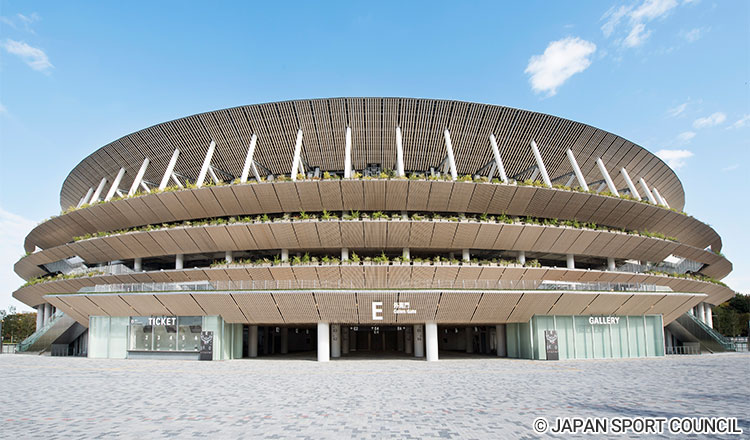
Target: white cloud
x=13, y=231
x=25, y=20
x=638, y=34
x=3, y=109
x=693, y=35
x=34, y=57
x=685, y=137
x=731, y=167
x=676, y=111
x=560, y=60
x=635, y=19
x=741, y=122
x=674, y=158
x=710, y=121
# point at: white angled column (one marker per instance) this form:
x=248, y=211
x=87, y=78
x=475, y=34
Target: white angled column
x=605, y=174
x=99, y=189
x=540, y=164
x=577, y=170
x=659, y=198
x=115, y=185
x=47, y=312
x=418, y=341
x=177, y=181
x=138, y=177
x=348, y=154
x=324, y=349
x=709, y=315
x=297, y=153
x=170, y=169
x=431, y=340
x=252, y=341
x=249, y=160
x=206, y=164
x=86, y=197
x=647, y=191
x=631, y=185
x=335, y=340
x=498, y=159
x=399, y=153
x=500, y=340
x=451, y=158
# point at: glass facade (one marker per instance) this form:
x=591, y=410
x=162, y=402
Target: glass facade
x=588, y=337
x=181, y=333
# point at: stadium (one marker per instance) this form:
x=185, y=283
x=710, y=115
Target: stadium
x=369, y=227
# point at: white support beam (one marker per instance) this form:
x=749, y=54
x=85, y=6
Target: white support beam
x=99, y=189
x=206, y=164
x=451, y=157
x=138, y=177
x=540, y=164
x=348, y=154
x=577, y=170
x=297, y=151
x=491, y=174
x=399, y=153
x=631, y=186
x=498, y=160
x=177, y=181
x=170, y=169
x=86, y=197
x=605, y=174
x=115, y=185
x=214, y=177
x=249, y=160
x=662, y=201
x=647, y=191
x=570, y=180
x=145, y=187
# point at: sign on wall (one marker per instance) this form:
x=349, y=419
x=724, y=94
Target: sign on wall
x=551, y=345
x=207, y=346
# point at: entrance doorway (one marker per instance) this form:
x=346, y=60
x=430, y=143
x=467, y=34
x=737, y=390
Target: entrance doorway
x=372, y=341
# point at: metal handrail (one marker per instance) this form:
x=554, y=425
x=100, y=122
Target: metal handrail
x=28, y=342
x=683, y=349
x=721, y=339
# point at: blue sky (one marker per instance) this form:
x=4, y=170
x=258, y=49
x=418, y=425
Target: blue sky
x=670, y=75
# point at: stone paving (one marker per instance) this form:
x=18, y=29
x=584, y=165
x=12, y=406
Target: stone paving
x=458, y=397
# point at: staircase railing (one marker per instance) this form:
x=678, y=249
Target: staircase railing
x=28, y=342
x=721, y=339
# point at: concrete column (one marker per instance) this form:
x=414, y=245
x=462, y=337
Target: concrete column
x=285, y=255
x=605, y=174
x=418, y=341
x=498, y=159
x=296, y=160
x=709, y=315
x=611, y=264
x=466, y=255
x=522, y=257
x=137, y=264
x=335, y=340
x=701, y=312
x=284, y=340
x=408, y=340
x=405, y=254
x=47, y=313
x=571, y=261
x=179, y=260
x=348, y=154
x=39, y=316
x=399, y=153
x=500, y=340
x=228, y=257
x=469, y=335
x=344, y=254
x=252, y=341
x=431, y=339
x=540, y=164
x=451, y=158
x=324, y=343
x=345, y=339
x=668, y=338
x=249, y=161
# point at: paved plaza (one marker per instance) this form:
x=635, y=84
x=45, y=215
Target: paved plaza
x=458, y=397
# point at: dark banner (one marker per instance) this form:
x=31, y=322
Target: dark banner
x=207, y=346
x=550, y=343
